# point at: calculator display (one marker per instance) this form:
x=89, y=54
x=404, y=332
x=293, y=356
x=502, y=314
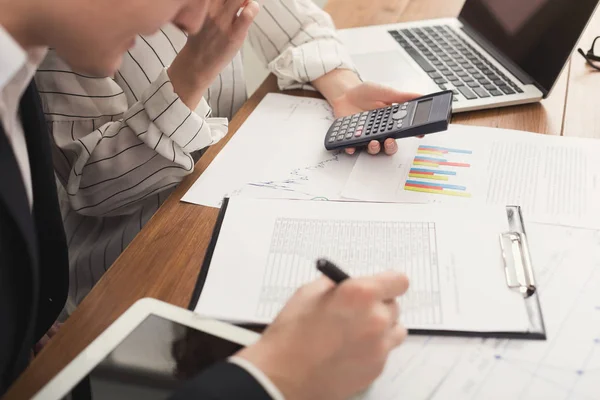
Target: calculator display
x=422, y=112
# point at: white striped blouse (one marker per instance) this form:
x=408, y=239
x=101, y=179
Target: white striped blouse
x=122, y=144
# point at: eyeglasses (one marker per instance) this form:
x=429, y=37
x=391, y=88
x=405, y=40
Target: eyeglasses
x=593, y=54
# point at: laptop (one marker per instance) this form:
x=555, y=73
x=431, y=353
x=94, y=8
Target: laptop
x=496, y=53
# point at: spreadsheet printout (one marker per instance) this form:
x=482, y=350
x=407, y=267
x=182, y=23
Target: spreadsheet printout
x=556, y=180
x=451, y=256
x=296, y=243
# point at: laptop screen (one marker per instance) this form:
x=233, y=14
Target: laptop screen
x=537, y=35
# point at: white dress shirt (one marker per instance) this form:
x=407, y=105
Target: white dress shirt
x=121, y=145
x=17, y=68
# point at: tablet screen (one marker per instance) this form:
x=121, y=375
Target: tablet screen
x=153, y=361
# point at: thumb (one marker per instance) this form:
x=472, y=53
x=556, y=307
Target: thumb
x=373, y=92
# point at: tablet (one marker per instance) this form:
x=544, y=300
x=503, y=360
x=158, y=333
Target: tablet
x=147, y=353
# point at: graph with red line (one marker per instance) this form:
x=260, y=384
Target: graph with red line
x=438, y=170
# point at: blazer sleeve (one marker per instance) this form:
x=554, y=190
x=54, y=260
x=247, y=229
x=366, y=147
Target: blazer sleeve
x=223, y=381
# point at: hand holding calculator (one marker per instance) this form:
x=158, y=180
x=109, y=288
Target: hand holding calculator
x=427, y=114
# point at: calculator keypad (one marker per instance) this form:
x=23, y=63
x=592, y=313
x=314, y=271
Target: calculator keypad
x=368, y=123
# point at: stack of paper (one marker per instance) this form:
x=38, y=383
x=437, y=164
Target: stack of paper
x=279, y=153
x=555, y=180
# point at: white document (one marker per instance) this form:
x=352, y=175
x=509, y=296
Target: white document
x=554, y=179
x=279, y=152
x=566, y=366
x=452, y=257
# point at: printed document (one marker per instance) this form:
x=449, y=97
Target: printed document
x=278, y=152
x=566, y=366
x=554, y=179
x=266, y=249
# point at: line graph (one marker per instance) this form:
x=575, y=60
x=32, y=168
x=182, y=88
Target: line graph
x=320, y=181
x=277, y=153
x=300, y=176
x=316, y=108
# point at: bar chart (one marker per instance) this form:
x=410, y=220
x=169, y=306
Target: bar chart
x=437, y=170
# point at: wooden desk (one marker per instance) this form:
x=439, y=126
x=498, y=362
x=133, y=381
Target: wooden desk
x=164, y=259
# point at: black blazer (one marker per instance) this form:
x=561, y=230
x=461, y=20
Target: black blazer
x=33, y=251
x=34, y=268
x=223, y=381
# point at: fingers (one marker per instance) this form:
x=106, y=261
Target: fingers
x=316, y=287
x=390, y=147
x=374, y=147
x=243, y=22
x=397, y=336
x=232, y=7
x=363, y=292
x=394, y=311
x=390, y=285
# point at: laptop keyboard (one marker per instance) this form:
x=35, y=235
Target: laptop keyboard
x=453, y=63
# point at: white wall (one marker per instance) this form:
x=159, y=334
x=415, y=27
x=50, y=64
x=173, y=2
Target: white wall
x=255, y=72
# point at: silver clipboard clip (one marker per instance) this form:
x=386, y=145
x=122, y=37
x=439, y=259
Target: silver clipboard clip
x=515, y=253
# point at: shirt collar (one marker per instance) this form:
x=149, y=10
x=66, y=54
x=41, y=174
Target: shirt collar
x=13, y=57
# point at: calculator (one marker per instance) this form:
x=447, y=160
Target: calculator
x=427, y=114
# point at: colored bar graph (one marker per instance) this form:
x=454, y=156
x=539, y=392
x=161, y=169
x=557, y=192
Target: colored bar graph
x=426, y=164
x=432, y=152
x=437, y=191
x=431, y=171
x=428, y=176
x=432, y=163
x=433, y=185
x=431, y=159
x=422, y=186
x=444, y=149
x=455, y=164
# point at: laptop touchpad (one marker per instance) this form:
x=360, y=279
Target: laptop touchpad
x=391, y=68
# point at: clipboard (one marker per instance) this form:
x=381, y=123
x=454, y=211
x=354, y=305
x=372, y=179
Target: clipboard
x=518, y=272
x=519, y=269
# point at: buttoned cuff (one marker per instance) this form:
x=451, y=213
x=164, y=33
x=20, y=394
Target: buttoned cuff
x=296, y=67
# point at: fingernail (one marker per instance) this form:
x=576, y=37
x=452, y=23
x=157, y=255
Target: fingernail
x=389, y=144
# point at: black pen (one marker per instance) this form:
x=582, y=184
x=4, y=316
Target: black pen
x=331, y=271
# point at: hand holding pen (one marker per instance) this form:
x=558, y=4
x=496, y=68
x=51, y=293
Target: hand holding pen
x=339, y=331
